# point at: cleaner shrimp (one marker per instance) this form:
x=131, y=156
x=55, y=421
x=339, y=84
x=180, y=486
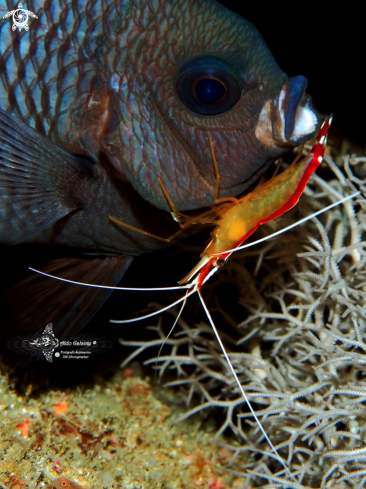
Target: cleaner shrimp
x=235, y=221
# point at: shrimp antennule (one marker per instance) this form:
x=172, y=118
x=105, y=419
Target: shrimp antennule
x=242, y=391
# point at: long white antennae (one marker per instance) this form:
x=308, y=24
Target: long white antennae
x=279, y=458
x=119, y=321
x=177, y=287
x=292, y=225
x=171, y=331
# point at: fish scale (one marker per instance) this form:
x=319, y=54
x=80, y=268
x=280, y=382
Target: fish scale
x=94, y=94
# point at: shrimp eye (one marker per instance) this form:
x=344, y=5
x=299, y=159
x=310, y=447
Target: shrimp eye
x=208, y=85
x=220, y=262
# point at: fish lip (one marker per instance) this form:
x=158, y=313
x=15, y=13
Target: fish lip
x=295, y=120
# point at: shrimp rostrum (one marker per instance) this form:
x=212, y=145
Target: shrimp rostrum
x=235, y=220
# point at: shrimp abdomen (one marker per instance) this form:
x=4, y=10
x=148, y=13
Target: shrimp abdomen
x=269, y=201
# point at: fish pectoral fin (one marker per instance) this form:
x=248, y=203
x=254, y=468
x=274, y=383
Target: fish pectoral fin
x=29, y=301
x=22, y=218
x=36, y=181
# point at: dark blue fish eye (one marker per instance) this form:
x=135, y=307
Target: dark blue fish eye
x=209, y=90
x=208, y=85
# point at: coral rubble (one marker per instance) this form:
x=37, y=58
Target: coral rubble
x=113, y=435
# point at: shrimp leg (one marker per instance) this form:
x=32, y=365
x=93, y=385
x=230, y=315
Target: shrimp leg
x=207, y=217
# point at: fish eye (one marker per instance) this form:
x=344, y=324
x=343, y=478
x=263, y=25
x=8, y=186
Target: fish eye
x=208, y=85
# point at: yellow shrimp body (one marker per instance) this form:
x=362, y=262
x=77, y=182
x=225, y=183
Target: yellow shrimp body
x=255, y=208
x=239, y=219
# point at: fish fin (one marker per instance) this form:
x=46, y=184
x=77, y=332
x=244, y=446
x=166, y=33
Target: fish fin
x=36, y=181
x=30, y=301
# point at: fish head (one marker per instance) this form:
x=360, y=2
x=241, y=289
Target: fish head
x=187, y=71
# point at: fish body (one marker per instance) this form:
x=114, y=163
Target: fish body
x=103, y=99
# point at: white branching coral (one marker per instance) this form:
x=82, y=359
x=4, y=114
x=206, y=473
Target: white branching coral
x=301, y=356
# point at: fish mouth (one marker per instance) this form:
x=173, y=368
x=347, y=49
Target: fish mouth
x=295, y=120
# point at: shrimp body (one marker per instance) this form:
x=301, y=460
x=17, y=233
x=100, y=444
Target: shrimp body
x=267, y=202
